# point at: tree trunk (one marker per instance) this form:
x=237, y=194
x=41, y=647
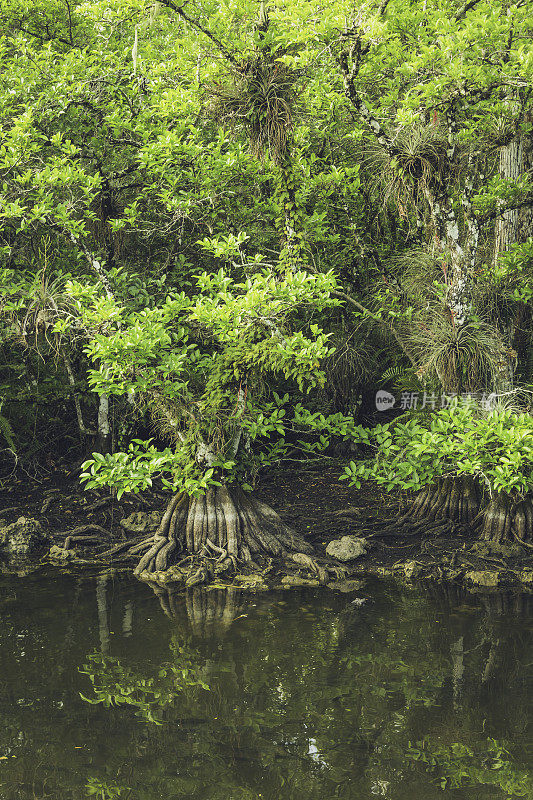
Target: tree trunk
x=505, y=520
x=459, y=500
x=455, y=499
x=449, y=502
x=226, y=525
x=104, y=430
x=512, y=227
x=508, y=232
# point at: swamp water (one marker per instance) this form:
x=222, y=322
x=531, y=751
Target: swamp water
x=417, y=694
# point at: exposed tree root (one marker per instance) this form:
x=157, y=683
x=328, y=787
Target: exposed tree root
x=220, y=530
x=455, y=505
x=457, y=499
x=442, y=509
x=84, y=529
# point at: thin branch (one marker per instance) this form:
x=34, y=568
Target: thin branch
x=356, y=304
x=198, y=25
x=465, y=9
x=349, y=74
x=95, y=265
x=49, y=38
x=501, y=211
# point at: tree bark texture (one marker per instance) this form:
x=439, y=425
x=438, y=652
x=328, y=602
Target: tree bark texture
x=225, y=524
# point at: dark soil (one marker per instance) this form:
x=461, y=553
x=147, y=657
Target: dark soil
x=313, y=501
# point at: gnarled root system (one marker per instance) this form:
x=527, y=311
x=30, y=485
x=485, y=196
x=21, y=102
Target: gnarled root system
x=215, y=532
x=441, y=509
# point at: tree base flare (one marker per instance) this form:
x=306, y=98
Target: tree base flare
x=215, y=532
x=445, y=508
x=506, y=521
x=456, y=499
x=456, y=505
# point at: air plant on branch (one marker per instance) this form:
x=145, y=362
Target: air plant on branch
x=416, y=161
x=260, y=98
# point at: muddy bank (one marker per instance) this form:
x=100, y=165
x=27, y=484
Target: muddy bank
x=88, y=530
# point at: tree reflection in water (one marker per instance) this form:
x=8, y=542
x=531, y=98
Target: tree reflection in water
x=309, y=696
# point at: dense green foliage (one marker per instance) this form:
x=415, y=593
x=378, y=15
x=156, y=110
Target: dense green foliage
x=495, y=448
x=211, y=214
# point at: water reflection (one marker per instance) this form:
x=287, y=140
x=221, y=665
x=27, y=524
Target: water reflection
x=309, y=696
x=208, y=611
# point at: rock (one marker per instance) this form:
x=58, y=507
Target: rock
x=22, y=537
x=252, y=582
x=346, y=548
x=411, y=569
x=295, y=580
x=345, y=586
x=141, y=522
x=60, y=554
x=486, y=578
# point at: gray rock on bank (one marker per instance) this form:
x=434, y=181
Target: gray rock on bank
x=141, y=522
x=347, y=548
x=22, y=537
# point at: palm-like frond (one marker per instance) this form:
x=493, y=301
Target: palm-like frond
x=7, y=433
x=347, y=369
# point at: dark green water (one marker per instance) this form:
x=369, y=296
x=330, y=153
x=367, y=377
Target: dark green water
x=310, y=697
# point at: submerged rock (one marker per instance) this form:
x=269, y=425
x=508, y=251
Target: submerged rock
x=485, y=578
x=141, y=522
x=412, y=569
x=345, y=586
x=347, y=548
x=22, y=537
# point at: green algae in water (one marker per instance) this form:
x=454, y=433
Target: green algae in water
x=109, y=690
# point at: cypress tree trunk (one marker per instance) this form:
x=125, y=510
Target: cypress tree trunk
x=508, y=229
x=506, y=520
x=449, y=502
x=225, y=524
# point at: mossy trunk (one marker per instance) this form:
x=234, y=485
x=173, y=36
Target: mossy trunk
x=225, y=523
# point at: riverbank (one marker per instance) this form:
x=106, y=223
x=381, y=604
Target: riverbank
x=78, y=526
